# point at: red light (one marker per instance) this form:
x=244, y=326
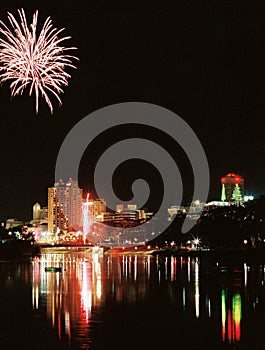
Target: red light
x=235, y=176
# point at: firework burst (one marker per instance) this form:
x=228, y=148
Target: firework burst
x=34, y=62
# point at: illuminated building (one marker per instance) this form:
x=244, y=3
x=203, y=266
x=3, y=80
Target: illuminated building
x=232, y=188
x=64, y=206
x=36, y=211
x=121, y=207
x=40, y=215
x=176, y=209
x=132, y=207
x=56, y=218
x=126, y=218
x=13, y=223
x=70, y=197
x=98, y=207
x=195, y=209
x=215, y=204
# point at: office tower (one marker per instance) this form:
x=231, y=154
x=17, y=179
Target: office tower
x=64, y=206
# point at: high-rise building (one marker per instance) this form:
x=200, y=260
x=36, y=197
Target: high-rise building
x=56, y=218
x=232, y=188
x=64, y=205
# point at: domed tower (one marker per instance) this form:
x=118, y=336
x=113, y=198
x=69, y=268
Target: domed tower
x=36, y=211
x=232, y=188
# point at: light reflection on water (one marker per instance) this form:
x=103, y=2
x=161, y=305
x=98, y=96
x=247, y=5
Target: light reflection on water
x=91, y=289
x=70, y=294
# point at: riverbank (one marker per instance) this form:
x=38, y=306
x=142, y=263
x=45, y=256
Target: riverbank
x=228, y=256
x=233, y=255
x=19, y=249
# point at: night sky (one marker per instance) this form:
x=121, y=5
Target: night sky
x=201, y=59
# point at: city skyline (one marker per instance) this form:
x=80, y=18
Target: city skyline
x=127, y=54
x=61, y=193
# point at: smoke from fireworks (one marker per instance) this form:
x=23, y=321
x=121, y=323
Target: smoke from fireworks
x=32, y=61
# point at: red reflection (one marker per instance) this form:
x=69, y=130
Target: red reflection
x=59, y=326
x=229, y=326
x=231, y=317
x=70, y=294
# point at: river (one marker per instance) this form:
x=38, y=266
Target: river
x=129, y=302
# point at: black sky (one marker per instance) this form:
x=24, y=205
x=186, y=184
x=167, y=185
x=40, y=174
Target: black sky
x=201, y=59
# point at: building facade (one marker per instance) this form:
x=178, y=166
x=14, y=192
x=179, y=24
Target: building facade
x=56, y=218
x=40, y=215
x=64, y=206
x=97, y=208
x=232, y=188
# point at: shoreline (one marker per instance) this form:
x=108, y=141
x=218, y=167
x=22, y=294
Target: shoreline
x=256, y=255
x=233, y=255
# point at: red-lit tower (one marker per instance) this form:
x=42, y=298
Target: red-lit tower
x=232, y=188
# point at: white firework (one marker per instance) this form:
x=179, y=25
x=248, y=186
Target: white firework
x=34, y=62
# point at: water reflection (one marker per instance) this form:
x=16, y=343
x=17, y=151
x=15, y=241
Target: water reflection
x=77, y=299
x=231, y=317
x=197, y=289
x=68, y=296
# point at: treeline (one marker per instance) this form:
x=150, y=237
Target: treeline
x=223, y=227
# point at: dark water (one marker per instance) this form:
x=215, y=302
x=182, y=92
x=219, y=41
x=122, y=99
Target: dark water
x=130, y=302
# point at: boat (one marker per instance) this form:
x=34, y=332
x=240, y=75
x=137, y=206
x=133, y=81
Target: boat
x=53, y=269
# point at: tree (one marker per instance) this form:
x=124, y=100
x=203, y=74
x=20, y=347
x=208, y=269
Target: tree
x=223, y=196
x=236, y=195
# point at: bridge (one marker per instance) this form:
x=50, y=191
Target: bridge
x=81, y=247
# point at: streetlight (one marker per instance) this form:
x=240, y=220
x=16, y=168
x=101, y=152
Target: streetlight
x=196, y=242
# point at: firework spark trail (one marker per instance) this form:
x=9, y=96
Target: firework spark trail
x=33, y=61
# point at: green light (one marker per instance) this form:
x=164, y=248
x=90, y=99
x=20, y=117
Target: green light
x=237, y=196
x=223, y=307
x=236, y=304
